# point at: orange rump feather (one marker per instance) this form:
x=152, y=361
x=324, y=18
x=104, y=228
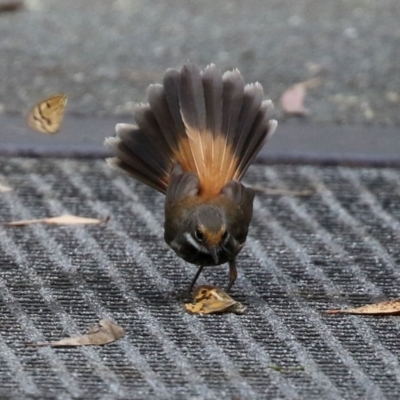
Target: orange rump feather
x=213, y=176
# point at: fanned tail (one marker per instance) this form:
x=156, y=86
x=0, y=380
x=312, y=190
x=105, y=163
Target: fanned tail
x=211, y=124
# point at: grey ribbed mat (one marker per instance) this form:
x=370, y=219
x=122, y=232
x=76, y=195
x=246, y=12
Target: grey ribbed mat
x=338, y=247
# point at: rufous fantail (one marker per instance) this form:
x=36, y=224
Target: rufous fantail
x=194, y=141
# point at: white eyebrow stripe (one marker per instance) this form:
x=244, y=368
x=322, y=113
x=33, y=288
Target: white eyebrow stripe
x=196, y=245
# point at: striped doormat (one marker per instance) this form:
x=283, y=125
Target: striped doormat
x=336, y=247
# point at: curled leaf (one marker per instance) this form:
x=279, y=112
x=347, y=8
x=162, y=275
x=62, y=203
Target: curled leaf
x=61, y=220
x=210, y=300
x=391, y=307
x=4, y=188
x=47, y=115
x=292, y=99
x=102, y=333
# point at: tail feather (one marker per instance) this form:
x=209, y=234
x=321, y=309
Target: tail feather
x=136, y=143
x=147, y=122
x=193, y=111
x=171, y=89
x=257, y=137
x=269, y=130
x=233, y=85
x=252, y=98
x=137, y=155
x=211, y=124
x=138, y=167
x=159, y=106
x=212, y=85
x=182, y=152
x=117, y=164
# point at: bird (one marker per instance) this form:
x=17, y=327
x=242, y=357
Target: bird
x=193, y=141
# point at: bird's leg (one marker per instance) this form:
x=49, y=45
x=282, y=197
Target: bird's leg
x=232, y=274
x=195, y=278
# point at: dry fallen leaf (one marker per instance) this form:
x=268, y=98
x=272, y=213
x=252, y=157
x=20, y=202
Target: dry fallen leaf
x=102, y=333
x=47, y=115
x=4, y=188
x=210, y=299
x=386, y=307
x=292, y=99
x=62, y=220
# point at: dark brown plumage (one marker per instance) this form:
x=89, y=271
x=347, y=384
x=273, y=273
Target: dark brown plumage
x=194, y=141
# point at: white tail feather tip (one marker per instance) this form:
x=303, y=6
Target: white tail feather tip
x=272, y=124
x=229, y=74
x=111, y=141
x=124, y=127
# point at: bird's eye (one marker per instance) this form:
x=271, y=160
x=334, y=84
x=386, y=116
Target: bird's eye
x=199, y=235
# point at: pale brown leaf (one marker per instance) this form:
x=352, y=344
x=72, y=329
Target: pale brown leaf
x=4, y=188
x=384, y=308
x=292, y=99
x=211, y=299
x=72, y=220
x=47, y=115
x=61, y=220
x=103, y=333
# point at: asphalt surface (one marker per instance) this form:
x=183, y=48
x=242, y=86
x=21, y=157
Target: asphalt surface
x=103, y=53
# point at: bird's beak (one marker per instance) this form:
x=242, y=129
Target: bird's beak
x=214, y=250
